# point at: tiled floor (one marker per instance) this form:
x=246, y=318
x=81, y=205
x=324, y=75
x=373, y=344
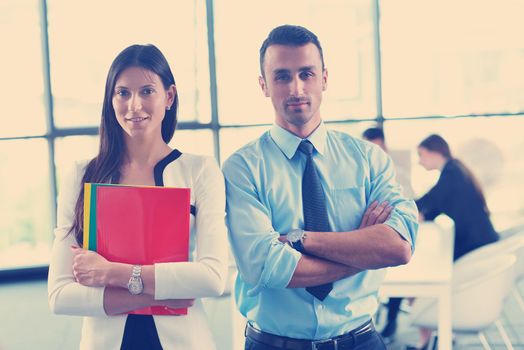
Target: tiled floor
x=26, y=323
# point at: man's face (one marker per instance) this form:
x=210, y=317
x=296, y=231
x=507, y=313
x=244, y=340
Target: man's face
x=295, y=80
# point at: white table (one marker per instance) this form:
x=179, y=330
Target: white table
x=428, y=274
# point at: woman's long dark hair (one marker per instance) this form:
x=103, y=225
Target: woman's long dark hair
x=105, y=167
x=436, y=143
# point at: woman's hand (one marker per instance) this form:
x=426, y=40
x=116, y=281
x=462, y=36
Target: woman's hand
x=376, y=214
x=90, y=268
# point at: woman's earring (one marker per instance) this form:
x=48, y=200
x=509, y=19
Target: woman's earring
x=168, y=108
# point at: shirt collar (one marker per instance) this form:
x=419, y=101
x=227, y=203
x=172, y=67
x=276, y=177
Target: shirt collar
x=288, y=142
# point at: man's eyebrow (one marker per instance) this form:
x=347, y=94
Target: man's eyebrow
x=280, y=70
x=306, y=68
x=301, y=69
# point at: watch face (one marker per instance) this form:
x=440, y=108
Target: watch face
x=135, y=285
x=294, y=235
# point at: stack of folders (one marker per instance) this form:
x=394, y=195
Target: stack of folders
x=138, y=225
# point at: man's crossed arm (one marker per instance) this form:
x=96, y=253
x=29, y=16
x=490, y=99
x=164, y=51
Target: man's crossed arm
x=331, y=256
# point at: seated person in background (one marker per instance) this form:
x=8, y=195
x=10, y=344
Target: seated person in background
x=401, y=159
x=458, y=195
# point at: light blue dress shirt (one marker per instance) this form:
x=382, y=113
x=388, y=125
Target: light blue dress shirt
x=264, y=200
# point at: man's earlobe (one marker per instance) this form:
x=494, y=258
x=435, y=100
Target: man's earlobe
x=262, y=83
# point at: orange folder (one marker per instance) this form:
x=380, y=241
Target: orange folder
x=138, y=225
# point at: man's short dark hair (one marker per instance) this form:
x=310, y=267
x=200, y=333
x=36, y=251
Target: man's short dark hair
x=289, y=35
x=373, y=134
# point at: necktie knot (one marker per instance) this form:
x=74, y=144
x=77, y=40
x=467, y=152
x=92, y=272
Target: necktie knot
x=306, y=147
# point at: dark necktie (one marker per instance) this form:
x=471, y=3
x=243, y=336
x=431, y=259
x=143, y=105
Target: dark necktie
x=314, y=208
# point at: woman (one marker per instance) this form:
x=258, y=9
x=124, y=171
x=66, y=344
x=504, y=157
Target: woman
x=138, y=121
x=458, y=195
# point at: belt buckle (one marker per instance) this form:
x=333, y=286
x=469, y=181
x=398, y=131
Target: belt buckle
x=315, y=343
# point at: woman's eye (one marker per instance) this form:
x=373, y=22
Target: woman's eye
x=148, y=91
x=122, y=93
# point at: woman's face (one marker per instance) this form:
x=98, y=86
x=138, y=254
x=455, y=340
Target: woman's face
x=140, y=101
x=428, y=159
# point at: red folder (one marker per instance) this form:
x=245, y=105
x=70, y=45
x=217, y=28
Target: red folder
x=139, y=225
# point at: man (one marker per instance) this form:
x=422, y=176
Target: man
x=307, y=246
x=376, y=136
x=401, y=159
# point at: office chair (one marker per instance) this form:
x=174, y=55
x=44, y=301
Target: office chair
x=479, y=289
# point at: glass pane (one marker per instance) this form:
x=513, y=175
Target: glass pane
x=345, y=30
x=25, y=228
x=178, y=29
x=71, y=149
x=194, y=141
x=452, y=58
x=493, y=148
x=353, y=129
x=22, y=88
x=231, y=139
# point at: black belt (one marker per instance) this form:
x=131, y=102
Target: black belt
x=341, y=342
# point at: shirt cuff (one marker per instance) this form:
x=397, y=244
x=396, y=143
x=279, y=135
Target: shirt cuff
x=279, y=268
x=96, y=308
x=405, y=230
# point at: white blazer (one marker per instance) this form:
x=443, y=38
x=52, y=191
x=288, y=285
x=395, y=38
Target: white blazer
x=203, y=276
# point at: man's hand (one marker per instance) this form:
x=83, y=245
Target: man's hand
x=90, y=268
x=376, y=214
x=283, y=239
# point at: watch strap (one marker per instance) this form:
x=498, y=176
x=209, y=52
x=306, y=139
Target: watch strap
x=137, y=271
x=298, y=245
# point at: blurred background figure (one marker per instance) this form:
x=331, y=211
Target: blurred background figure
x=457, y=194
x=376, y=136
x=401, y=159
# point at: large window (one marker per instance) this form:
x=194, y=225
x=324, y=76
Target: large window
x=25, y=205
x=85, y=37
x=25, y=227
x=22, y=87
x=395, y=63
x=345, y=29
x=452, y=57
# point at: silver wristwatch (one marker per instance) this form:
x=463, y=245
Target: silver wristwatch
x=295, y=238
x=135, y=284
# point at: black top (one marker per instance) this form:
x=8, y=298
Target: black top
x=456, y=196
x=140, y=330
